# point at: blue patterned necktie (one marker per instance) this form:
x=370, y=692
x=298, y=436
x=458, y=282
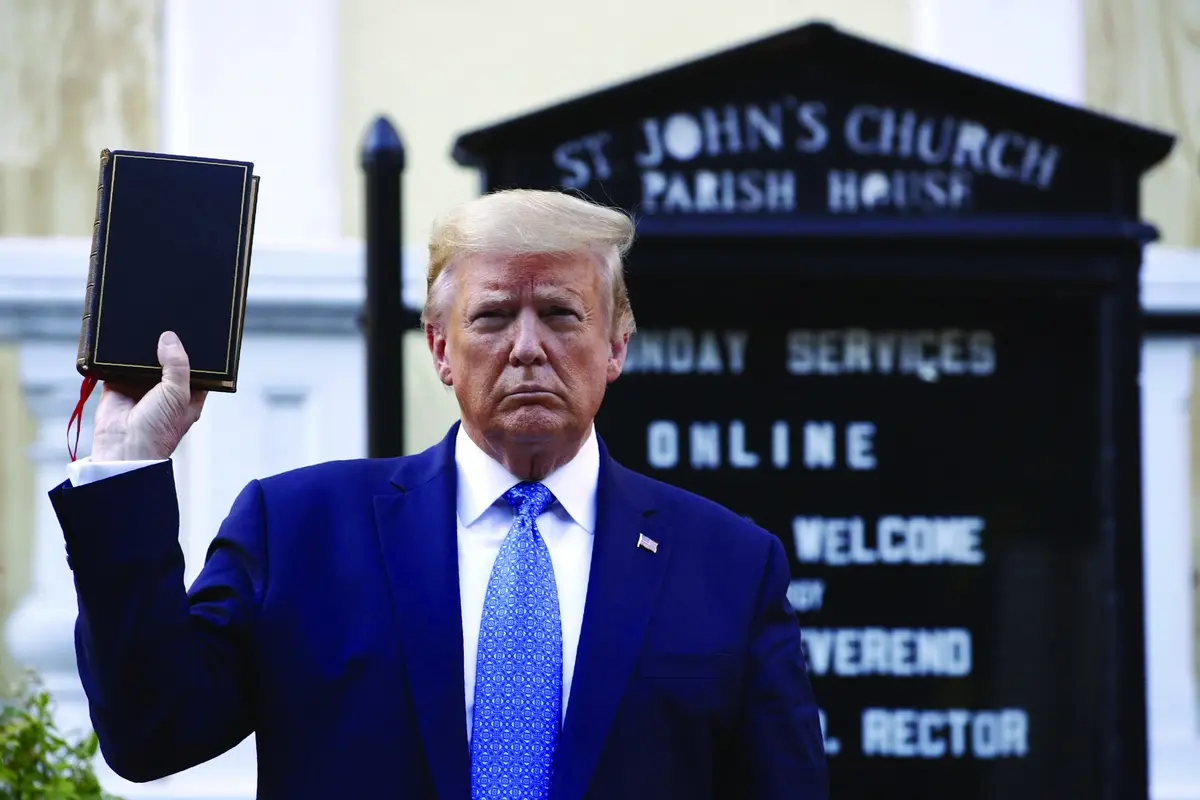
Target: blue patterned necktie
x=518, y=679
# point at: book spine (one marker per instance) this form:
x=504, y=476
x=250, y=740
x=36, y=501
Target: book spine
x=91, y=297
x=247, y=251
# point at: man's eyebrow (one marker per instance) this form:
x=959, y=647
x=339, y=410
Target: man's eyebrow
x=551, y=293
x=556, y=293
x=490, y=296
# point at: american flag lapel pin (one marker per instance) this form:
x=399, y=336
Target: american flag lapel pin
x=646, y=543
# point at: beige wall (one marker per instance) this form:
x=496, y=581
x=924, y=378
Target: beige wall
x=439, y=69
x=1143, y=63
x=16, y=496
x=75, y=76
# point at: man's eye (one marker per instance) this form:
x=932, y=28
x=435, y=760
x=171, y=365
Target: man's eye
x=559, y=311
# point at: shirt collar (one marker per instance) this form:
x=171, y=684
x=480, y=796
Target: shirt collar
x=482, y=481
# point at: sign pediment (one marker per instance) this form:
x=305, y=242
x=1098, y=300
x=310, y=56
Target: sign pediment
x=814, y=121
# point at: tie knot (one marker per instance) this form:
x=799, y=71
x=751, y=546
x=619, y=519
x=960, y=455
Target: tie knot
x=529, y=499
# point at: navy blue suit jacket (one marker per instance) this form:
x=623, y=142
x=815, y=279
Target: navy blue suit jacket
x=327, y=621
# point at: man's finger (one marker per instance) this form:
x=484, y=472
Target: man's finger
x=197, y=404
x=174, y=361
x=127, y=389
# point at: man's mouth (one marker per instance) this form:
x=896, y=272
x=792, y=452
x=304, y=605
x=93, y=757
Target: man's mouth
x=531, y=392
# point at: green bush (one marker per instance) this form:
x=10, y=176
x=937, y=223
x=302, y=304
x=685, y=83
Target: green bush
x=36, y=761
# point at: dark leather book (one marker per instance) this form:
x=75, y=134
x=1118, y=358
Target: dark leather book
x=170, y=251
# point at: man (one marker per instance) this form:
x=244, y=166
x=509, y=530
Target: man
x=509, y=614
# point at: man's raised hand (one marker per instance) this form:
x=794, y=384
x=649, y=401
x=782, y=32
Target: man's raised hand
x=145, y=422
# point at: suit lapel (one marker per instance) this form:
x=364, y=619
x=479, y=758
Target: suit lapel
x=622, y=587
x=417, y=534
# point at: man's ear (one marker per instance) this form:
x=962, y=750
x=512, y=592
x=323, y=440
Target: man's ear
x=618, y=349
x=436, y=339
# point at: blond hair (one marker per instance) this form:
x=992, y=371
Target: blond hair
x=523, y=222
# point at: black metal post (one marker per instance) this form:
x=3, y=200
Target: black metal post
x=383, y=320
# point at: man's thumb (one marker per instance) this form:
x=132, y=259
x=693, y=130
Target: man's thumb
x=174, y=360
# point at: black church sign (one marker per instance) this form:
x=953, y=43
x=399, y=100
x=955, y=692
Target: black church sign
x=812, y=121
x=889, y=312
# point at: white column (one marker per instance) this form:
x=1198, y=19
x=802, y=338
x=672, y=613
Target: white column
x=1033, y=45
x=1167, y=503
x=258, y=82
x=40, y=632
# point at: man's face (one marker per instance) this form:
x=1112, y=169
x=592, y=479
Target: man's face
x=528, y=346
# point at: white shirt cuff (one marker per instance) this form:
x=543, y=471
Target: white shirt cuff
x=86, y=471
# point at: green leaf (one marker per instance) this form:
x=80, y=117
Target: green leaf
x=37, y=761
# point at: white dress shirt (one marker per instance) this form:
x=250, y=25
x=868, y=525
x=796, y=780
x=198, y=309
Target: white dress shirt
x=484, y=518
x=567, y=527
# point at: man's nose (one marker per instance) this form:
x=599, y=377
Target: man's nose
x=528, y=347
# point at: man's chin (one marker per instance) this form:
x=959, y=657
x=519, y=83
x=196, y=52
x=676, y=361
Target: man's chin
x=532, y=423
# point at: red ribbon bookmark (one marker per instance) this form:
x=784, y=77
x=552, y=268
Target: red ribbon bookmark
x=85, y=391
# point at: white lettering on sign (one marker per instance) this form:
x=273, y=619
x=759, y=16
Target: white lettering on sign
x=584, y=159
x=832, y=745
x=681, y=351
x=786, y=125
x=949, y=142
x=918, y=540
x=806, y=595
x=949, y=733
x=819, y=445
x=726, y=191
x=926, y=354
x=849, y=191
x=895, y=652
x=682, y=160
